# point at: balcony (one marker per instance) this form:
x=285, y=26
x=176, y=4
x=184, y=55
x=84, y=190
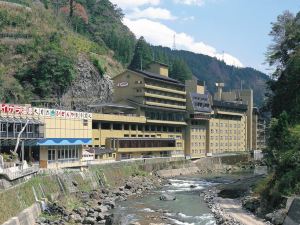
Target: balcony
x=165, y=105
x=154, y=87
x=147, y=94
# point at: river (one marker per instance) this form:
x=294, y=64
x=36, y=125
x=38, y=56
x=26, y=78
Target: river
x=188, y=208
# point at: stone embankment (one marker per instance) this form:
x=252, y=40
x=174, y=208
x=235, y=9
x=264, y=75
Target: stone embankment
x=96, y=205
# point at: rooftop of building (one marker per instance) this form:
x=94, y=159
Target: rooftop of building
x=159, y=77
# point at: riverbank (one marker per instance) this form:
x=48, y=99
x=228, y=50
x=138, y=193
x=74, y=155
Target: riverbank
x=95, y=207
x=65, y=186
x=226, y=202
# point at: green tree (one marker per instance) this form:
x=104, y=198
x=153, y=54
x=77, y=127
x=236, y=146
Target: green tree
x=51, y=76
x=142, y=55
x=284, y=55
x=180, y=70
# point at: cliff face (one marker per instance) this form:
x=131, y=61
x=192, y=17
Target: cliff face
x=88, y=88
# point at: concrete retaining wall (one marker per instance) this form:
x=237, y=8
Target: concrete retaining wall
x=178, y=172
x=26, y=217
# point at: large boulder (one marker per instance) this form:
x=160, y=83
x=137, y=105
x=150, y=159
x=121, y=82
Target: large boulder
x=89, y=220
x=279, y=216
x=167, y=197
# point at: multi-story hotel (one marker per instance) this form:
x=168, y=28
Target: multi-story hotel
x=161, y=100
x=199, y=112
x=152, y=115
x=215, y=126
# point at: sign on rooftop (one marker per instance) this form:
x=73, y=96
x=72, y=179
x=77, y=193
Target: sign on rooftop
x=44, y=112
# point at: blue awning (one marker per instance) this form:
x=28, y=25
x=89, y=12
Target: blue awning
x=64, y=141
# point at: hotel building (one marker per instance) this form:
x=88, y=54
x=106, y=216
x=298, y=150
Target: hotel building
x=215, y=126
x=152, y=115
x=52, y=138
x=161, y=101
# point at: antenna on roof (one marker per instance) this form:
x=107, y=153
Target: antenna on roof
x=174, y=42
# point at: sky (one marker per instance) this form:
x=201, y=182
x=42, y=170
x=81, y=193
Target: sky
x=235, y=31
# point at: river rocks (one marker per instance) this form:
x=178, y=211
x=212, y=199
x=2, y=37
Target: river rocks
x=251, y=203
x=277, y=217
x=89, y=220
x=98, y=203
x=167, y=197
x=219, y=214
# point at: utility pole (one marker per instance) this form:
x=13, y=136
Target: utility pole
x=141, y=59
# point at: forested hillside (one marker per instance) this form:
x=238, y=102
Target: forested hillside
x=211, y=70
x=40, y=48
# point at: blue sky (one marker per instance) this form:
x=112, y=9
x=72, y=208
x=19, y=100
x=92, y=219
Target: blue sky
x=238, y=27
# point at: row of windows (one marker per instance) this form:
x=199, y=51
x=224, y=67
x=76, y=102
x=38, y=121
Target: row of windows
x=63, y=152
x=226, y=125
x=200, y=144
x=163, y=85
x=198, y=129
x=17, y=127
x=225, y=144
x=134, y=127
x=196, y=151
x=225, y=138
x=199, y=137
x=170, y=102
x=221, y=131
x=165, y=94
x=158, y=115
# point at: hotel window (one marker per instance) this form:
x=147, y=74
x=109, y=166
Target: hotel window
x=133, y=127
x=126, y=135
x=85, y=122
x=3, y=127
x=30, y=128
x=126, y=126
x=95, y=125
x=51, y=155
x=117, y=126
x=18, y=127
x=105, y=126
x=140, y=127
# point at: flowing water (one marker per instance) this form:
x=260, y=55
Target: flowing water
x=188, y=208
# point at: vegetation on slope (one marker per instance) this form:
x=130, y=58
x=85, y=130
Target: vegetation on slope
x=283, y=151
x=41, y=64
x=62, y=30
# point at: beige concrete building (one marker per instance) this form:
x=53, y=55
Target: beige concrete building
x=158, y=98
x=124, y=135
x=240, y=97
x=215, y=126
x=199, y=113
x=53, y=138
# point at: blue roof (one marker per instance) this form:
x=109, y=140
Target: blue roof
x=64, y=141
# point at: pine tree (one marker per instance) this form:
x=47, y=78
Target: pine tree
x=142, y=55
x=180, y=70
